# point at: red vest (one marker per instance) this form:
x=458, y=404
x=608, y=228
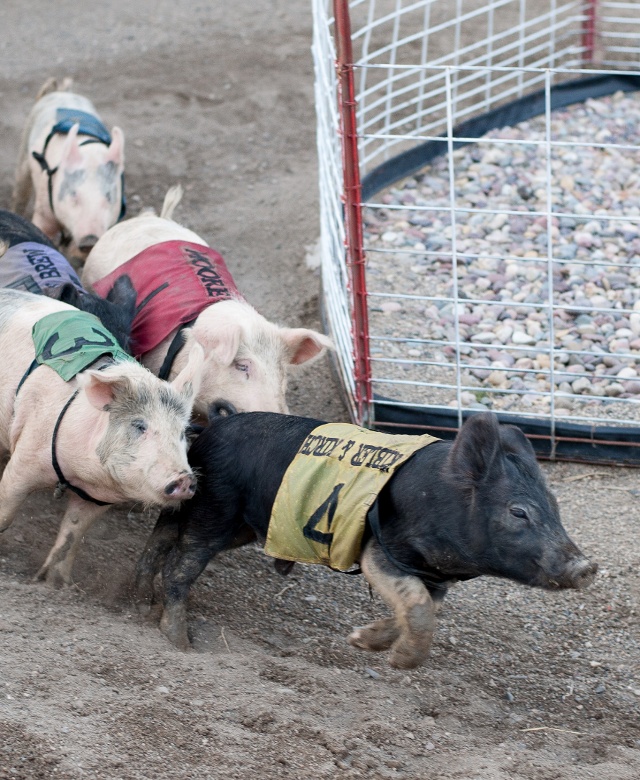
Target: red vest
x=174, y=282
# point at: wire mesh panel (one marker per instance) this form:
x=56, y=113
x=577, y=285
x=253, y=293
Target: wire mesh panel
x=499, y=145
x=335, y=278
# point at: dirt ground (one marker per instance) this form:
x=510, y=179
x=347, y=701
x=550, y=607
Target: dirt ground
x=521, y=683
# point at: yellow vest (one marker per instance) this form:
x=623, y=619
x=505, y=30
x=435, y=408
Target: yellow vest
x=320, y=510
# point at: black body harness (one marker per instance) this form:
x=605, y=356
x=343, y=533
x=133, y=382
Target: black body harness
x=63, y=482
x=177, y=342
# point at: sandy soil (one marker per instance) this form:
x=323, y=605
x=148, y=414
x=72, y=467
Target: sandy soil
x=521, y=684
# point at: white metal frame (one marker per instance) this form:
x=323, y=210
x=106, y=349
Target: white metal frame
x=418, y=75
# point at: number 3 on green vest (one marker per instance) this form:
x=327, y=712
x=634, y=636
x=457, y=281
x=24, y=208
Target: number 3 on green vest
x=327, y=507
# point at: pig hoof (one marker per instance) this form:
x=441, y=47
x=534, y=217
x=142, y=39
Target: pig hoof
x=143, y=599
x=178, y=640
x=176, y=633
x=150, y=613
x=376, y=636
x=53, y=577
x=407, y=656
x=143, y=608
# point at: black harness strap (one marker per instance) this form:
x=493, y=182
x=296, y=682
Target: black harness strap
x=39, y=157
x=432, y=578
x=63, y=483
x=27, y=374
x=176, y=345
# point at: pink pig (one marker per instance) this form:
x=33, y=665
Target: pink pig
x=246, y=356
x=115, y=432
x=73, y=165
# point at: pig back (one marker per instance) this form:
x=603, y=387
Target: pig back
x=320, y=511
x=174, y=282
x=15, y=229
x=33, y=267
x=20, y=315
x=44, y=113
x=19, y=311
x=129, y=238
x=70, y=341
x=242, y=459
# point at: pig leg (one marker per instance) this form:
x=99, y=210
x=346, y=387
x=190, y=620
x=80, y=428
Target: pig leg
x=413, y=607
x=162, y=539
x=77, y=520
x=22, y=188
x=184, y=565
x=19, y=479
x=383, y=633
x=376, y=636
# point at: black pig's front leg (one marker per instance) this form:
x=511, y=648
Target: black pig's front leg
x=196, y=546
x=410, y=632
x=162, y=539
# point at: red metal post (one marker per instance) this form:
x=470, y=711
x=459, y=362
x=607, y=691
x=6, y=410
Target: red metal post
x=589, y=26
x=352, y=199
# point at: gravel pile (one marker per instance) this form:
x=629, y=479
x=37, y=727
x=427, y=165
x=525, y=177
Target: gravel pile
x=503, y=270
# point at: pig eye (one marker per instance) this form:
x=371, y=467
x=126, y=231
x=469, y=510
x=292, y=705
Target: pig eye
x=243, y=365
x=139, y=426
x=518, y=512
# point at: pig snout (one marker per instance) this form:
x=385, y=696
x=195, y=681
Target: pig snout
x=86, y=243
x=575, y=572
x=579, y=573
x=182, y=488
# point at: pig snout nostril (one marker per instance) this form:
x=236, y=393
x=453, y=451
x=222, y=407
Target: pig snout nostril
x=184, y=487
x=171, y=488
x=87, y=243
x=584, y=573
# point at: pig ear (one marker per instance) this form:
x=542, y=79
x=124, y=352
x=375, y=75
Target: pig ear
x=124, y=295
x=116, y=148
x=187, y=383
x=475, y=450
x=100, y=388
x=515, y=442
x=224, y=342
x=71, y=156
x=67, y=293
x=304, y=344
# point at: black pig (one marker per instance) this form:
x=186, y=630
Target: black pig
x=30, y=262
x=455, y=510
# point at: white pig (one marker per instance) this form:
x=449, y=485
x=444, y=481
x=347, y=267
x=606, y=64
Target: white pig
x=121, y=437
x=246, y=356
x=73, y=165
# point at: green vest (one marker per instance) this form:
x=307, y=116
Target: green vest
x=320, y=511
x=69, y=341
